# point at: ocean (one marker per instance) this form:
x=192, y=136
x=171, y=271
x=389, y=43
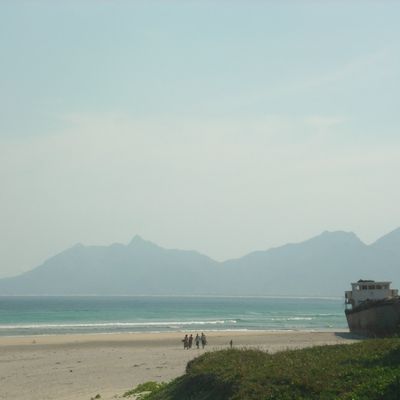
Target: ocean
x=20, y=316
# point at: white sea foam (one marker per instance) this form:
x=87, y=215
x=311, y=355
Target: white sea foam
x=300, y=319
x=174, y=324
x=291, y=319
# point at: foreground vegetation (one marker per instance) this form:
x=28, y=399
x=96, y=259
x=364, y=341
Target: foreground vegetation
x=365, y=370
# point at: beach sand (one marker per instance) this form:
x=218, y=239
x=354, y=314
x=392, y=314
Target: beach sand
x=78, y=367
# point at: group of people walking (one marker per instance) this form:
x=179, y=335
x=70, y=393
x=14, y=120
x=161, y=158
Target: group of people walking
x=188, y=341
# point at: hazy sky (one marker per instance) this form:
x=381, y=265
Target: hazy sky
x=224, y=126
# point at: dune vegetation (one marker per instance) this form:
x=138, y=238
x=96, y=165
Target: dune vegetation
x=366, y=370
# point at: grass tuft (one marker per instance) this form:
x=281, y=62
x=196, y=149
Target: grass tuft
x=143, y=390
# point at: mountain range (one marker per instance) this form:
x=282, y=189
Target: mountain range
x=321, y=266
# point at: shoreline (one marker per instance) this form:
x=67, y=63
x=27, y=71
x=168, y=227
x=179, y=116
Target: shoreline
x=162, y=334
x=78, y=367
x=178, y=332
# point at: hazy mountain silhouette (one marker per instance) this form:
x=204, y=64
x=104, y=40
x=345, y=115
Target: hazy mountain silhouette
x=138, y=268
x=389, y=242
x=321, y=266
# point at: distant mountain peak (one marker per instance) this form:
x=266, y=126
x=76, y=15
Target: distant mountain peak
x=337, y=236
x=137, y=239
x=338, y=233
x=389, y=241
x=139, y=242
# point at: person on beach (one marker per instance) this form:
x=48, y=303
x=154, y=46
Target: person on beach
x=197, y=341
x=190, y=341
x=185, y=341
x=203, y=340
x=231, y=343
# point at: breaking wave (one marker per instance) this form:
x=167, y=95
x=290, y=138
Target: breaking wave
x=117, y=324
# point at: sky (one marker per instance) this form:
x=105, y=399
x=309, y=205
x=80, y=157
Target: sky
x=218, y=126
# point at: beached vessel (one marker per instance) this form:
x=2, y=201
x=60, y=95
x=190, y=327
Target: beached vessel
x=373, y=308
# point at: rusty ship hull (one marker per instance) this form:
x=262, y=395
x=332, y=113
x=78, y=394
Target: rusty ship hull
x=375, y=318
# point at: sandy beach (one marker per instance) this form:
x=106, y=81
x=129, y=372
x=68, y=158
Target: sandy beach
x=78, y=367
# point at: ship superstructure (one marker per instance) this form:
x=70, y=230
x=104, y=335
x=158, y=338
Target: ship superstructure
x=373, y=308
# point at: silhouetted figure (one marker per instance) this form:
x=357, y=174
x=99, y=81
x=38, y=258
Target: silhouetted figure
x=185, y=341
x=231, y=343
x=203, y=340
x=197, y=341
x=190, y=341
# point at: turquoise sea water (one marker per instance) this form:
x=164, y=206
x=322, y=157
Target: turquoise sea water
x=58, y=315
